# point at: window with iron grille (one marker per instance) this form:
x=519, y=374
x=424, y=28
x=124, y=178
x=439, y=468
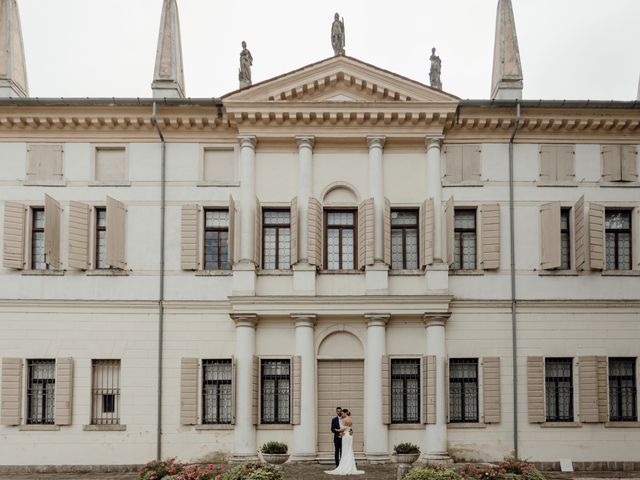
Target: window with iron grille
x=41, y=391
x=565, y=239
x=101, y=238
x=405, y=390
x=464, y=250
x=404, y=239
x=559, y=389
x=276, y=239
x=340, y=239
x=622, y=390
x=216, y=239
x=105, y=395
x=617, y=226
x=275, y=384
x=216, y=391
x=38, y=262
x=463, y=390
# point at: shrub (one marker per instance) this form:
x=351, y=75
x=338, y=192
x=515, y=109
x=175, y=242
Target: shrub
x=512, y=464
x=156, y=470
x=274, y=448
x=196, y=472
x=432, y=473
x=252, y=471
x=510, y=468
x=406, y=448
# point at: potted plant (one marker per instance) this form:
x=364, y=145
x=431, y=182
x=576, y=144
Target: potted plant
x=406, y=454
x=274, y=453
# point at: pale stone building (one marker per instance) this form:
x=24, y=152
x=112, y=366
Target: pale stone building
x=194, y=277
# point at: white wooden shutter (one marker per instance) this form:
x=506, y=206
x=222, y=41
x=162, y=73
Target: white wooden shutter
x=52, y=218
x=580, y=234
x=471, y=163
x=596, y=236
x=188, y=391
x=255, y=390
x=453, y=163
x=550, y=248
x=64, y=391
x=116, y=228
x=296, y=364
x=565, y=163
x=386, y=390
x=234, y=389
x=449, y=215
x=588, y=388
x=611, y=164
x=232, y=232
x=426, y=232
x=315, y=233
x=491, y=389
x=602, y=375
x=535, y=389
x=386, y=239
x=10, y=391
x=490, y=236
x=430, y=389
x=294, y=231
x=79, y=219
x=629, y=163
x=44, y=162
x=257, y=245
x=190, y=234
x=548, y=162
x=14, y=225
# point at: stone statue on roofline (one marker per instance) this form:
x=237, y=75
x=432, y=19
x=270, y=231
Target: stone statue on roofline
x=337, y=35
x=246, y=61
x=434, y=72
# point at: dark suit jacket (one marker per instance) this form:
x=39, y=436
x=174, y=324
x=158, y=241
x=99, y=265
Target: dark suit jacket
x=335, y=426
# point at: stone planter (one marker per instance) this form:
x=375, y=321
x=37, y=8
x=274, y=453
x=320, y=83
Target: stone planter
x=404, y=461
x=275, y=458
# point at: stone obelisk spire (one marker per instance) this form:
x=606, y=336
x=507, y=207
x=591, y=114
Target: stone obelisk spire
x=506, y=83
x=168, y=75
x=13, y=70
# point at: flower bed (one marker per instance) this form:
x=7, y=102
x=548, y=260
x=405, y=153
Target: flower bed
x=510, y=468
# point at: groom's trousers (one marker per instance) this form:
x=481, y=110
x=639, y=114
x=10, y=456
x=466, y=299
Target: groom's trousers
x=337, y=443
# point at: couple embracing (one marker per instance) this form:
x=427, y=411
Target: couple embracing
x=342, y=429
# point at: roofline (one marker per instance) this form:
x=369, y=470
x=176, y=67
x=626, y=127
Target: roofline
x=109, y=101
x=551, y=103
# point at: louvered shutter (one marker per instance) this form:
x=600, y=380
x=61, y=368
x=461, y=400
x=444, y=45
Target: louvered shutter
x=596, y=236
x=296, y=365
x=234, y=389
x=314, y=228
x=64, y=391
x=471, y=163
x=550, y=248
x=430, y=389
x=294, y=231
x=386, y=390
x=116, y=232
x=611, y=163
x=14, y=225
x=11, y=391
x=565, y=163
x=453, y=163
x=449, y=216
x=188, y=391
x=190, y=234
x=490, y=236
x=635, y=236
x=580, y=234
x=366, y=240
x=426, y=232
x=370, y=243
x=588, y=388
x=491, y=389
x=257, y=245
x=602, y=374
x=535, y=389
x=52, y=218
x=255, y=390
x=386, y=239
x=447, y=396
x=548, y=160
x=629, y=163
x=79, y=216
x=232, y=232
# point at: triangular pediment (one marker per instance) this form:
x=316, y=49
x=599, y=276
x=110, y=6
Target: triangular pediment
x=340, y=79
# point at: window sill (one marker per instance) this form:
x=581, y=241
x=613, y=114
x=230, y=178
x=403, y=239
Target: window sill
x=211, y=426
x=110, y=184
x=227, y=183
x=104, y=428
x=107, y=272
x=43, y=273
x=38, y=428
x=621, y=273
x=274, y=426
x=556, y=184
x=466, y=425
x=214, y=273
x=469, y=273
x=45, y=183
x=340, y=272
x=621, y=184
x=400, y=273
x=561, y=425
x=406, y=426
x=558, y=273
x=446, y=183
x=621, y=424
x=275, y=273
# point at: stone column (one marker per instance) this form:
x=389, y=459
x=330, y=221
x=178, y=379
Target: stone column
x=436, y=450
x=376, y=434
x=376, y=190
x=247, y=196
x=434, y=190
x=244, y=442
x=305, y=190
x=304, y=434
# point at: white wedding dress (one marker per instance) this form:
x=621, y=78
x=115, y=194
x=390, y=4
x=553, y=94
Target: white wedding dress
x=347, y=464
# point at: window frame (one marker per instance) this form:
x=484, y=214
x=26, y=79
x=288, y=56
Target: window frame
x=405, y=395
x=342, y=227
x=46, y=420
x=616, y=233
x=96, y=237
x=473, y=209
x=277, y=227
x=634, y=390
x=568, y=211
x=463, y=381
x=115, y=392
x=557, y=418
x=216, y=383
x=32, y=231
x=277, y=378
x=404, y=229
x=203, y=234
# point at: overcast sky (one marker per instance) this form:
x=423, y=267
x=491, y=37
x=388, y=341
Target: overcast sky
x=570, y=49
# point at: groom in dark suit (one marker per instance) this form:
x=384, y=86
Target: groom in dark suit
x=337, y=435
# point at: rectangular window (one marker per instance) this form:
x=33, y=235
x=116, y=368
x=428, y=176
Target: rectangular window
x=38, y=261
x=340, y=239
x=464, y=250
x=275, y=381
x=276, y=238
x=565, y=239
x=559, y=389
x=618, y=239
x=216, y=391
x=405, y=390
x=622, y=390
x=101, y=238
x=216, y=239
x=105, y=395
x=404, y=239
x=41, y=389
x=463, y=390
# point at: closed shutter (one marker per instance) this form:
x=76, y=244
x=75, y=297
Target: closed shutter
x=64, y=391
x=430, y=389
x=386, y=390
x=491, y=389
x=550, y=248
x=565, y=164
x=453, y=163
x=426, y=232
x=588, y=384
x=294, y=231
x=314, y=228
x=232, y=232
x=11, y=391
x=296, y=365
x=255, y=389
x=14, y=224
x=596, y=236
x=548, y=158
x=449, y=216
x=44, y=163
x=535, y=389
x=52, y=218
x=580, y=234
x=116, y=227
x=234, y=388
x=386, y=227
x=490, y=236
x=471, y=163
x=629, y=163
x=611, y=163
x=602, y=374
x=190, y=234
x=257, y=245
x=79, y=216
x=188, y=391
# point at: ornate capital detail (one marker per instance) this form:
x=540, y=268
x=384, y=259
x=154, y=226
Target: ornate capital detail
x=305, y=141
x=304, y=319
x=377, y=319
x=435, y=319
x=376, y=141
x=248, y=141
x=433, y=142
x=245, y=319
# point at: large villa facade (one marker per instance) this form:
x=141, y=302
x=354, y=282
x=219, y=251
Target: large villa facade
x=193, y=278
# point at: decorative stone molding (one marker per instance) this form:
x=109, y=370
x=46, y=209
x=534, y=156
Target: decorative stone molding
x=247, y=141
x=305, y=141
x=245, y=319
x=376, y=141
x=435, y=319
x=304, y=319
x=377, y=319
x=433, y=142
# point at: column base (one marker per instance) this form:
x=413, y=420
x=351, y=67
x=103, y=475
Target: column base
x=374, y=458
x=244, y=279
x=238, y=458
x=303, y=458
x=435, y=459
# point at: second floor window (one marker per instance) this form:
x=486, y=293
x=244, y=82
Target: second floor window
x=464, y=254
x=404, y=239
x=276, y=238
x=41, y=391
x=463, y=390
x=565, y=239
x=617, y=226
x=101, y=238
x=405, y=390
x=340, y=236
x=275, y=384
x=622, y=390
x=216, y=391
x=559, y=389
x=38, y=261
x=216, y=240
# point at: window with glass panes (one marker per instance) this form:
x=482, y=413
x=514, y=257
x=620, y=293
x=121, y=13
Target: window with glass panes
x=38, y=261
x=617, y=226
x=216, y=239
x=559, y=389
x=463, y=390
x=101, y=238
x=276, y=239
x=275, y=382
x=340, y=239
x=216, y=391
x=41, y=389
x=464, y=249
x=105, y=404
x=622, y=390
x=404, y=239
x=565, y=239
x=405, y=390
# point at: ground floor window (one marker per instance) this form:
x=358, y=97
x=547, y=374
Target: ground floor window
x=105, y=405
x=216, y=391
x=41, y=389
x=622, y=390
x=463, y=390
x=559, y=389
x=405, y=390
x=275, y=381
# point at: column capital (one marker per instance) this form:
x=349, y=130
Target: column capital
x=304, y=319
x=376, y=141
x=307, y=141
x=245, y=319
x=433, y=141
x=435, y=319
x=377, y=319
x=247, y=141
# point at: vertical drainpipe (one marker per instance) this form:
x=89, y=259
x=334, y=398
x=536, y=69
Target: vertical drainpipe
x=513, y=285
x=154, y=121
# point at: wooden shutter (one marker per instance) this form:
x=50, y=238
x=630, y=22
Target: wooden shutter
x=426, y=232
x=296, y=364
x=11, y=393
x=588, y=385
x=188, y=391
x=44, y=162
x=580, y=236
x=366, y=239
x=547, y=163
x=611, y=163
x=596, y=236
x=430, y=389
x=14, y=225
x=471, y=163
x=490, y=236
x=52, y=214
x=64, y=391
x=386, y=390
x=535, y=389
x=602, y=374
x=314, y=228
x=255, y=390
x=190, y=234
x=550, y=242
x=453, y=163
x=386, y=227
x=565, y=163
x=234, y=388
x=370, y=243
x=294, y=231
x=116, y=226
x=635, y=237
x=491, y=396
x=232, y=232
x=629, y=163
x=449, y=216
x=79, y=216
x=447, y=396
x=257, y=245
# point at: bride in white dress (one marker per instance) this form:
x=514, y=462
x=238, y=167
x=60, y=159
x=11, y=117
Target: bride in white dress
x=347, y=464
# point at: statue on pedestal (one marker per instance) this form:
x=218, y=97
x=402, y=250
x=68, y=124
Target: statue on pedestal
x=337, y=35
x=434, y=73
x=246, y=61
